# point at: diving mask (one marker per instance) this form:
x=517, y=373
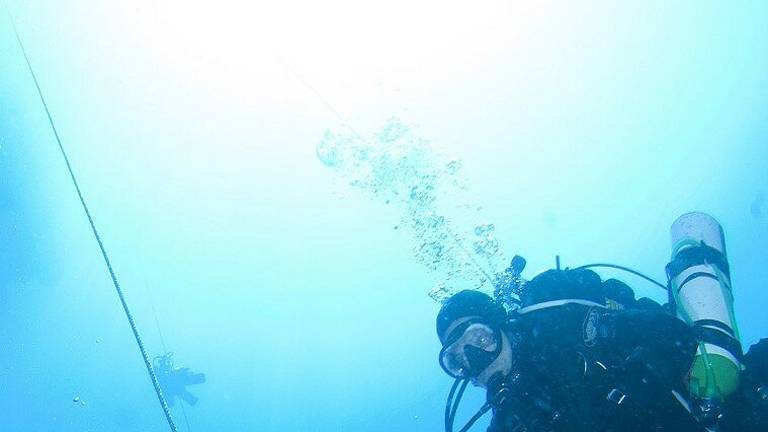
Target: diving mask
x=469, y=349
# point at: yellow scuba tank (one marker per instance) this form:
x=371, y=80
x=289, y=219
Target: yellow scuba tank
x=700, y=287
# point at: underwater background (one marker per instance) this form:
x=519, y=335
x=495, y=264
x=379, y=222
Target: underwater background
x=285, y=188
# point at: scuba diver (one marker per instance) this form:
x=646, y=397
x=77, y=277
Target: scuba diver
x=577, y=353
x=174, y=380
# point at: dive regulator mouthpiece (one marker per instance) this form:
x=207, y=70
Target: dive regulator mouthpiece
x=700, y=286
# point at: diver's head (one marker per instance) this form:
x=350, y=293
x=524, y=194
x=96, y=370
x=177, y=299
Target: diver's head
x=470, y=328
x=164, y=361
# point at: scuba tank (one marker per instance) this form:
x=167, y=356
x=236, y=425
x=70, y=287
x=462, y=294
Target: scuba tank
x=700, y=290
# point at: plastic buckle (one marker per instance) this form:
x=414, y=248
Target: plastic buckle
x=616, y=396
x=501, y=396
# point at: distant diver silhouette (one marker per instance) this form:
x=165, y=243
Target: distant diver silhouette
x=174, y=380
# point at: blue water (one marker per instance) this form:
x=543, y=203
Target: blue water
x=299, y=279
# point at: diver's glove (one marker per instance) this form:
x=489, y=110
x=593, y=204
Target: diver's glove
x=747, y=410
x=522, y=403
x=756, y=361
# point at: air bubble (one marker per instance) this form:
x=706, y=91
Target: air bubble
x=403, y=171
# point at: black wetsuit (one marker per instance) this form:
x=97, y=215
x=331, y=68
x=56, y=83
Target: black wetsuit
x=586, y=368
x=619, y=380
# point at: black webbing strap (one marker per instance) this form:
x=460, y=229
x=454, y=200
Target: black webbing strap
x=698, y=255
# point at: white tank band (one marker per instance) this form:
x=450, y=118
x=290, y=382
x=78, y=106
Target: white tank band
x=557, y=303
x=717, y=350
